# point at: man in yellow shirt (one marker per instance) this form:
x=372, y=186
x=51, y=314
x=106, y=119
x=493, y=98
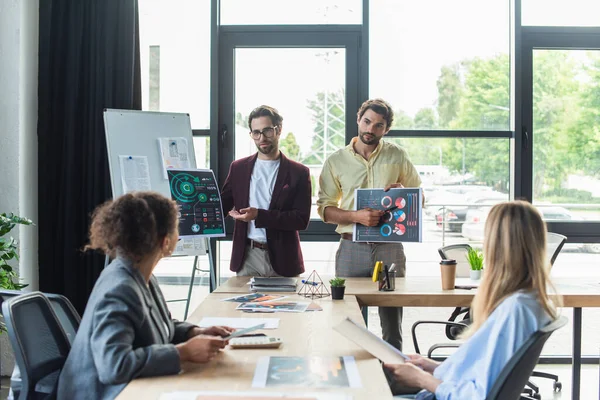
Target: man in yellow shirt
x=367, y=162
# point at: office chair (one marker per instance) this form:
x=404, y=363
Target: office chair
x=453, y=328
x=69, y=319
x=515, y=374
x=39, y=342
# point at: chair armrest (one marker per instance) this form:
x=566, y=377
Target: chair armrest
x=447, y=323
x=442, y=346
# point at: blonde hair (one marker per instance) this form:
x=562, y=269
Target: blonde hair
x=514, y=246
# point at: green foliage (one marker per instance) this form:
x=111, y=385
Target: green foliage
x=475, y=259
x=8, y=252
x=289, y=146
x=337, y=282
x=330, y=126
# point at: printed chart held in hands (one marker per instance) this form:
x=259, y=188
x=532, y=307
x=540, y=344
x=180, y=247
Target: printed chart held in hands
x=199, y=201
x=401, y=221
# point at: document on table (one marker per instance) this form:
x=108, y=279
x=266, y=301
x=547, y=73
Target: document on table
x=210, y=395
x=307, y=372
x=239, y=323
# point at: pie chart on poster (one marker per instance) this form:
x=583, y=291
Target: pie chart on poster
x=399, y=215
x=386, y=201
x=387, y=216
x=400, y=202
x=386, y=230
x=399, y=229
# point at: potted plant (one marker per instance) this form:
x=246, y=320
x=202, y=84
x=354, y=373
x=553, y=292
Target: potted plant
x=8, y=252
x=338, y=286
x=475, y=259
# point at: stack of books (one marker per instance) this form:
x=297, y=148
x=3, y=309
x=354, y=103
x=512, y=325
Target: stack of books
x=279, y=284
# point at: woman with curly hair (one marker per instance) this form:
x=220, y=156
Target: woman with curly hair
x=127, y=331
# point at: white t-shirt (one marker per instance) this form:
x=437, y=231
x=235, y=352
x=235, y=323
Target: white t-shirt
x=262, y=183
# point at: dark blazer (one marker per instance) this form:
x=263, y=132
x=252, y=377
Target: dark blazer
x=288, y=213
x=122, y=336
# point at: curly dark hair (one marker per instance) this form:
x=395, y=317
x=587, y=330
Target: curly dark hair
x=132, y=225
x=265, y=111
x=381, y=107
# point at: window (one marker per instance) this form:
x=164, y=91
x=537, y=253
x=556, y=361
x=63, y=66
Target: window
x=560, y=12
x=278, y=12
x=442, y=64
x=175, y=58
x=566, y=137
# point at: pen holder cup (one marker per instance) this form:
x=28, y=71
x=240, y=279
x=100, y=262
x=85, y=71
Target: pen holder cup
x=384, y=285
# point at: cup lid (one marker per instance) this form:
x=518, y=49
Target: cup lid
x=448, y=262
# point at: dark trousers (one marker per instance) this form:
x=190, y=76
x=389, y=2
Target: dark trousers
x=354, y=259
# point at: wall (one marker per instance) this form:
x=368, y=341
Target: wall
x=18, y=133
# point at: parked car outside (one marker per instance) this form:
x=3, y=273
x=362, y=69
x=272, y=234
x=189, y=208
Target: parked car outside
x=454, y=214
x=472, y=228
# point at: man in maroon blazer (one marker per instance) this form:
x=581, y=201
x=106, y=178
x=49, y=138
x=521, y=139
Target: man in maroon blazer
x=269, y=196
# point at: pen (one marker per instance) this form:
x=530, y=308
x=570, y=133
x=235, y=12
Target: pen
x=392, y=268
x=391, y=209
x=310, y=283
x=463, y=287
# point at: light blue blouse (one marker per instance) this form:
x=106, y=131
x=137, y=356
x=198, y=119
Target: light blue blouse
x=471, y=371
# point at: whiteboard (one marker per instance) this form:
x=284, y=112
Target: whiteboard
x=136, y=133
x=133, y=133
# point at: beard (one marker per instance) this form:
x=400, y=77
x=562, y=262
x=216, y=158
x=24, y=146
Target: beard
x=374, y=140
x=266, y=150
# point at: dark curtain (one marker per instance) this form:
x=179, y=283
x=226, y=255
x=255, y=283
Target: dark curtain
x=88, y=61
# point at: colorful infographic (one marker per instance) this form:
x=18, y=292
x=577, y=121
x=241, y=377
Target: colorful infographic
x=401, y=220
x=199, y=201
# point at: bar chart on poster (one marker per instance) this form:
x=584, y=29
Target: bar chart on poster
x=401, y=217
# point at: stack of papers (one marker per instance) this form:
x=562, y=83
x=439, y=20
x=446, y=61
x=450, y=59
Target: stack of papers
x=279, y=284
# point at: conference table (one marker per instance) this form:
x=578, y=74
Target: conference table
x=307, y=334
x=576, y=292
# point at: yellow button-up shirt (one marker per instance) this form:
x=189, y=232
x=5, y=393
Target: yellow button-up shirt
x=346, y=170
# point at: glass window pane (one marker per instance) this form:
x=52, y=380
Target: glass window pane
x=175, y=58
x=566, y=134
x=560, y=12
x=287, y=12
x=442, y=64
x=308, y=91
x=202, y=151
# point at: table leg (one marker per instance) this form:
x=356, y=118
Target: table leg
x=365, y=313
x=576, y=353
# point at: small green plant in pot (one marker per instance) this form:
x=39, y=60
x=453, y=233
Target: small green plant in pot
x=338, y=286
x=8, y=253
x=475, y=259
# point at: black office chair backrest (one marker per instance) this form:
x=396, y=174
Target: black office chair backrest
x=554, y=244
x=67, y=315
x=40, y=344
x=515, y=374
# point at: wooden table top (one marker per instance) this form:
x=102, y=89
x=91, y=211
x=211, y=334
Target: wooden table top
x=304, y=334
x=427, y=292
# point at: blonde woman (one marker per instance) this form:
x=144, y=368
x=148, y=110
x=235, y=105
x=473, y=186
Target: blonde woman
x=511, y=303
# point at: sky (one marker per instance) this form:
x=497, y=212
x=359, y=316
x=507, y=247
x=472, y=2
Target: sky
x=409, y=43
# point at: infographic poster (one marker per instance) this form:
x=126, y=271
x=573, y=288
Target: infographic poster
x=199, y=200
x=401, y=221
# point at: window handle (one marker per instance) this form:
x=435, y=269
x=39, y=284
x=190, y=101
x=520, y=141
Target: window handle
x=525, y=138
x=223, y=135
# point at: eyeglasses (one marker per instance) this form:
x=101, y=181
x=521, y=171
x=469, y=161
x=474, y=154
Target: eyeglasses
x=267, y=132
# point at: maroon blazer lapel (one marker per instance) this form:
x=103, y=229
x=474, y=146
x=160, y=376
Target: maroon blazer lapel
x=284, y=169
x=245, y=179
